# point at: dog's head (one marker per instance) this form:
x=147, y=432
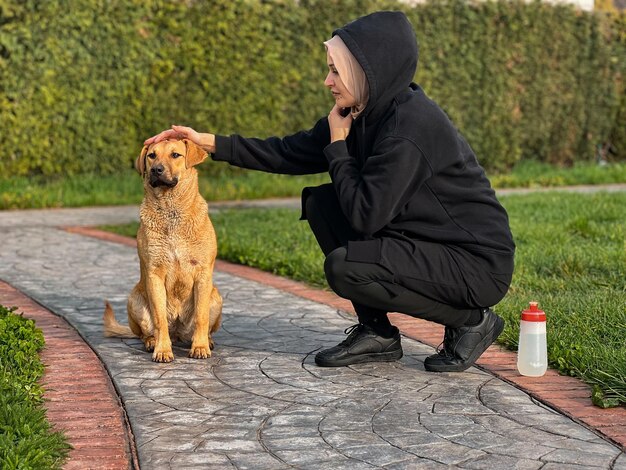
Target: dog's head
x=165, y=163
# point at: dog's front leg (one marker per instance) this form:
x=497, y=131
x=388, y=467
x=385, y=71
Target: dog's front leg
x=200, y=341
x=158, y=307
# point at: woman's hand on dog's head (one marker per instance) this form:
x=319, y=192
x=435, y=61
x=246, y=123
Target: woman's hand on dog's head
x=205, y=141
x=174, y=133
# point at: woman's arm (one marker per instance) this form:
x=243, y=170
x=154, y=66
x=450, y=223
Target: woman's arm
x=297, y=154
x=371, y=196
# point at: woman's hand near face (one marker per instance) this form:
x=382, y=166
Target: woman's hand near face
x=339, y=125
x=203, y=140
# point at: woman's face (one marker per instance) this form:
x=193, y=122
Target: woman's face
x=342, y=96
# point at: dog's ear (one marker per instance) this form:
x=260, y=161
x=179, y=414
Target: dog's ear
x=140, y=163
x=194, y=154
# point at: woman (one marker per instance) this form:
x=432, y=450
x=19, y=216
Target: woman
x=409, y=223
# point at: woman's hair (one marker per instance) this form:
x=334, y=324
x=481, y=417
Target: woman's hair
x=350, y=72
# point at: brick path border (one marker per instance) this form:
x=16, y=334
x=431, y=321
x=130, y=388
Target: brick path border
x=79, y=396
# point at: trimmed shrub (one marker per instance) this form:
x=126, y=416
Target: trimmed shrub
x=26, y=438
x=79, y=92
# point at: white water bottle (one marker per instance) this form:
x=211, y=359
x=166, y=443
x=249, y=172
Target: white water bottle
x=532, y=351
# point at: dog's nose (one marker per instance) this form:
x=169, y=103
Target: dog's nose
x=157, y=170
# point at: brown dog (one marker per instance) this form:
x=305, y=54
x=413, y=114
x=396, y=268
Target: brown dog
x=177, y=247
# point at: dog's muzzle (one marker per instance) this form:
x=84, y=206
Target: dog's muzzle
x=157, y=178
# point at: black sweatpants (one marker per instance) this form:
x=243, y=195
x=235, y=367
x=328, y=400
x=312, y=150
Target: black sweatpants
x=437, y=275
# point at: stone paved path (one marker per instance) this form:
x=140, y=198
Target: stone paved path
x=260, y=402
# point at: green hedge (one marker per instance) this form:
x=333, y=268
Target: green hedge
x=83, y=82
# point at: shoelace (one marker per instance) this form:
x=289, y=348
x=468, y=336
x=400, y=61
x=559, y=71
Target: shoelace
x=352, y=332
x=441, y=349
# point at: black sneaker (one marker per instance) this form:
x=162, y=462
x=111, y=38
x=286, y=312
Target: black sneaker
x=361, y=345
x=464, y=345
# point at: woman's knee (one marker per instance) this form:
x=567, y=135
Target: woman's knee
x=336, y=271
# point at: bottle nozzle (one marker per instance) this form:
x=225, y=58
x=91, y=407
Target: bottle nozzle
x=533, y=313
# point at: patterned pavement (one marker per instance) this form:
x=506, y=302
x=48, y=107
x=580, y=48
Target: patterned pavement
x=260, y=402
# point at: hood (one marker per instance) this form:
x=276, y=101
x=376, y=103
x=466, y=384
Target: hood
x=384, y=44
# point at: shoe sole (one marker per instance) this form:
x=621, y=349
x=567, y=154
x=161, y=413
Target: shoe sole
x=478, y=351
x=390, y=356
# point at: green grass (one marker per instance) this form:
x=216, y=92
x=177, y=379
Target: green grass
x=571, y=258
x=26, y=438
x=126, y=187
x=529, y=174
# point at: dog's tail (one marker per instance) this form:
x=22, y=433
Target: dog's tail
x=111, y=327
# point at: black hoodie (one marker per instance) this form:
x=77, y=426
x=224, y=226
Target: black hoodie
x=404, y=170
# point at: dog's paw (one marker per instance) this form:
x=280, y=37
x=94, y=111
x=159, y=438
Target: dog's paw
x=149, y=343
x=163, y=356
x=200, y=352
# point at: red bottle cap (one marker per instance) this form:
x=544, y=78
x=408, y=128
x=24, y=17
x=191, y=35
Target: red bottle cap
x=533, y=313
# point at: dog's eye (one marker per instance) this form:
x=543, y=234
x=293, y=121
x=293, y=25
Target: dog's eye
x=176, y=155
x=152, y=155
